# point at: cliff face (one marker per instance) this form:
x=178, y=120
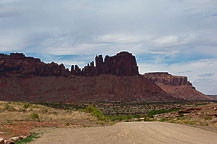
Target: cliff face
x=18, y=64
x=168, y=79
x=122, y=64
x=177, y=86
x=73, y=89
x=115, y=78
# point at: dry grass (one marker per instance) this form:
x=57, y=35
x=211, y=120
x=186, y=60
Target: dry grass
x=19, y=111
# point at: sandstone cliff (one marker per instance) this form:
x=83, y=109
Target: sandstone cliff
x=20, y=65
x=177, y=86
x=115, y=78
x=122, y=64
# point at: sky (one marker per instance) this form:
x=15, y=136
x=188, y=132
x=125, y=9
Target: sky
x=177, y=36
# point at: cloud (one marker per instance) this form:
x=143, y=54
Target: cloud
x=10, y=43
x=200, y=1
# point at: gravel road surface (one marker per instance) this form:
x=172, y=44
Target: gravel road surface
x=129, y=133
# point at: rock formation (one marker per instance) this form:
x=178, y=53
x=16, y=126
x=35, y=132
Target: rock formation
x=114, y=78
x=18, y=64
x=177, y=86
x=122, y=64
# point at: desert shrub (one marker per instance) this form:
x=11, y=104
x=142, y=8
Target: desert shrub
x=28, y=139
x=102, y=123
x=9, y=107
x=67, y=124
x=69, y=111
x=146, y=118
x=95, y=112
x=189, y=122
x=181, y=115
x=160, y=111
x=137, y=116
x=34, y=116
x=121, y=117
x=26, y=105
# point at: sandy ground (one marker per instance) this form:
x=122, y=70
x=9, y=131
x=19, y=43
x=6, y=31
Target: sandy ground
x=129, y=133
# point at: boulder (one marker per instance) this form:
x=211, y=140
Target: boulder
x=2, y=141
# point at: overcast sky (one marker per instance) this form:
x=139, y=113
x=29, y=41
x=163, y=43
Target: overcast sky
x=178, y=36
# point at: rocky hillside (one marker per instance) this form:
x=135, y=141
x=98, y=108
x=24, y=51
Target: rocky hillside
x=177, y=86
x=103, y=88
x=115, y=78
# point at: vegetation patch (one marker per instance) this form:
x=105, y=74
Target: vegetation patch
x=28, y=139
x=160, y=111
x=34, y=116
x=100, y=116
x=96, y=112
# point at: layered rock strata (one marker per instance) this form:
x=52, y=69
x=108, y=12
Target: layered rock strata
x=177, y=86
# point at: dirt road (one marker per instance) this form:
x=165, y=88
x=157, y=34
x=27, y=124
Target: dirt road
x=130, y=133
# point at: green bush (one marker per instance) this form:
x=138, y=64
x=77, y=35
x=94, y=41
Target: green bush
x=147, y=118
x=34, y=116
x=160, y=111
x=28, y=139
x=26, y=105
x=121, y=117
x=95, y=112
x=181, y=115
x=67, y=124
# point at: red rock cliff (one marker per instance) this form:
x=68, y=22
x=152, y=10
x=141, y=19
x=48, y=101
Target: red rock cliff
x=122, y=64
x=177, y=86
x=115, y=78
x=168, y=79
x=18, y=64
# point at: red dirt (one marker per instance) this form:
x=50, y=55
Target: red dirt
x=25, y=127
